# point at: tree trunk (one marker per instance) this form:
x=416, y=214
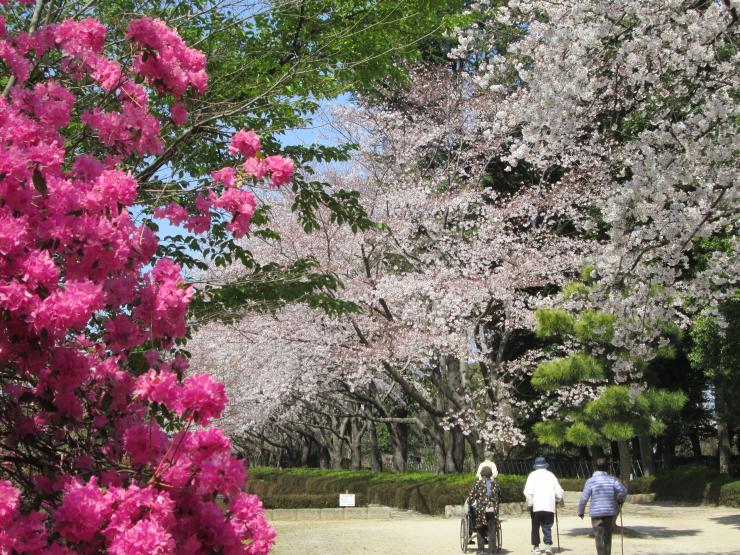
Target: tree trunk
x=440, y=456
x=646, y=454
x=625, y=460
x=305, y=453
x=723, y=430
x=695, y=445
x=323, y=457
x=376, y=462
x=335, y=455
x=355, y=445
x=399, y=434
x=457, y=448
x=436, y=434
x=669, y=451
x=635, y=444
x=335, y=441
x=475, y=451
x=456, y=443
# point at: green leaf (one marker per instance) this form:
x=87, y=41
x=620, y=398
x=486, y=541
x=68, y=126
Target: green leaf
x=583, y=435
x=561, y=372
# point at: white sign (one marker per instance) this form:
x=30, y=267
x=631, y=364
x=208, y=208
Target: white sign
x=346, y=499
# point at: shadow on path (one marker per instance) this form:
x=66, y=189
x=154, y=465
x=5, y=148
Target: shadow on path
x=638, y=532
x=730, y=520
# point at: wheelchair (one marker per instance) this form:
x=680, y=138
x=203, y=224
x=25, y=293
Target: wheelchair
x=468, y=535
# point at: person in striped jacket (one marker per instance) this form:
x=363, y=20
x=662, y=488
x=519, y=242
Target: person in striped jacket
x=606, y=494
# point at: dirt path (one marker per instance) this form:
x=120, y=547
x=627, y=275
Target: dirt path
x=649, y=529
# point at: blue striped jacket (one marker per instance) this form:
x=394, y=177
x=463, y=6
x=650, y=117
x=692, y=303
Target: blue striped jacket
x=605, y=492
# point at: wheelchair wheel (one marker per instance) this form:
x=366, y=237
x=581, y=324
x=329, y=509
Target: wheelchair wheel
x=499, y=536
x=464, y=534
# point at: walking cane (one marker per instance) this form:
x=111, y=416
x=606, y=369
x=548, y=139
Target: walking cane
x=621, y=528
x=557, y=526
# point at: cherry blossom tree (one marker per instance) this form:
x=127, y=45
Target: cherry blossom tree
x=639, y=98
x=107, y=443
x=447, y=282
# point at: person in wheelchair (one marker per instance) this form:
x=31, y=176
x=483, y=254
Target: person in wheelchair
x=484, y=502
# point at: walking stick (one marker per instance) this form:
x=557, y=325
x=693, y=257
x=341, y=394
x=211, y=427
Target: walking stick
x=621, y=528
x=557, y=526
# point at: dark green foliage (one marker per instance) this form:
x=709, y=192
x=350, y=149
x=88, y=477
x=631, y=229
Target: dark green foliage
x=690, y=483
x=561, y=372
x=617, y=414
x=307, y=501
x=572, y=484
x=621, y=411
x=635, y=486
x=582, y=434
x=425, y=492
x=641, y=485
x=593, y=325
x=551, y=432
x=553, y=322
x=729, y=494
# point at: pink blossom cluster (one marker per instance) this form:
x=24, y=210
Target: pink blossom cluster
x=277, y=168
x=198, y=395
x=136, y=520
x=238, y=203
x=166, y=61
x=96, y=410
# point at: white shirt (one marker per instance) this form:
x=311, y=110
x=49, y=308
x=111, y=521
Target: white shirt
x=542, y=490
x=490, y=464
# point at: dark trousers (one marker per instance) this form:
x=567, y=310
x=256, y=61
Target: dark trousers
x=490, y=532
x=603, y=527
x=544, y=520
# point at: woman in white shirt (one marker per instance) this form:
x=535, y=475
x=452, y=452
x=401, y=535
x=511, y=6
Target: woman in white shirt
x=542, y=491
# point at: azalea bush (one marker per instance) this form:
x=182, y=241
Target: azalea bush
x=106, y=437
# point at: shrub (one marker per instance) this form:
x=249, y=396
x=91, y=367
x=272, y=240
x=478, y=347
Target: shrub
x=641, y=485
x=572, y=484
x=690, y=483
x=428, y=492
x=308, y=500
x=425, y=492
x=729, y=494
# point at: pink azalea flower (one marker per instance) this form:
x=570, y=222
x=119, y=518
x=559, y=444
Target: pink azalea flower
x=145, y=443
x=256, y=168
x=226, y=176
x=280, y=169
x=247, y=143
x=178, y=113
x=204, y=397
x=83, y=511
x=158, y=387
x=146, y=537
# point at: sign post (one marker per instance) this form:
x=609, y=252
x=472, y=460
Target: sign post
x=346, y=499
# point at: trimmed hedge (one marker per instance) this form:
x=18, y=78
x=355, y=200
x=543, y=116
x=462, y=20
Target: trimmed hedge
x=572, y=484
x=307, y=501
x=428, y=492
x=425, y=492
x=691, y=483
x=729, y=494
x=697, y=484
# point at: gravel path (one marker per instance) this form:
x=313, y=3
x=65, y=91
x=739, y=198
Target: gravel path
x=649, y=529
